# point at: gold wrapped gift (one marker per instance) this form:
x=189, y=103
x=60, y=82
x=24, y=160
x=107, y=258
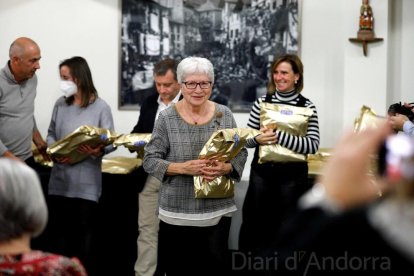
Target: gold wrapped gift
x=89, y=135
x=317, y=161
x=120, y=165
x=321, y=155
x=223, y=145
x=39, y=158
x=289, y=119
x=368, y=119
x=134, y=141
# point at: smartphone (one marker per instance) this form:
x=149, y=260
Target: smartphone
x=395, y=158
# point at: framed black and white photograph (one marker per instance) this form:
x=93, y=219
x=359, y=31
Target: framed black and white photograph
x=240, y=37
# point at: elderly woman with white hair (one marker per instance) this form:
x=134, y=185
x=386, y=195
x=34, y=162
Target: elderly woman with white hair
x=193, y=231
x=23, y=214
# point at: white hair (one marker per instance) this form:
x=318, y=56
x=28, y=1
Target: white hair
x=194, y=65
x=22, y=204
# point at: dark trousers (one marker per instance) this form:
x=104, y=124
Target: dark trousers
x=70, y=228
x=31, y=163
x=273, y=192
x=189, y=250
x=42, y=171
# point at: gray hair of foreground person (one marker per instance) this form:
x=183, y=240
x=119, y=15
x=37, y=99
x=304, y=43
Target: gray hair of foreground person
x=22, y=204
x=194, y=66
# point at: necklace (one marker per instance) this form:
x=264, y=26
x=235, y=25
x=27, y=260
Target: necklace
x=195, y=120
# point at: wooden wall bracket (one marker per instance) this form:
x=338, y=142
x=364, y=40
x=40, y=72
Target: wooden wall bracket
x=365, y=42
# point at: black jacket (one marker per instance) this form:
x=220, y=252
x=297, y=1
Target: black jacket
x=147, y=115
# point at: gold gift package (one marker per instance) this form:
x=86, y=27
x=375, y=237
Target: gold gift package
x=120, y=165
x=289, y=119
x=317, y=161
x=89, y=135
x=134, y=141
x=223, y=145
x=368, y=119
x=39, y=158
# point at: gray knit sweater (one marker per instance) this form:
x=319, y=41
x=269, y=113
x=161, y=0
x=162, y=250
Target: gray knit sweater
x=17, y=122
x=176, y=141
x=84, y=179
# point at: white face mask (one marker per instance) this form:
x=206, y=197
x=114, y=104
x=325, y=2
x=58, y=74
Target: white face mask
x=68, y=88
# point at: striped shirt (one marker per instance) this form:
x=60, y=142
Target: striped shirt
x=174, y=140
x=304, y=145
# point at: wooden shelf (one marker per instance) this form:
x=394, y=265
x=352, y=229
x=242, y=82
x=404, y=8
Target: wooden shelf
x=365, y=42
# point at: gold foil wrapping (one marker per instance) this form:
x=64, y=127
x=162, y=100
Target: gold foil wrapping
x=223, y=145
x=289, y=119
x=373, y=165
x=368, y=119
x=39, y=158
x=317, y=161
x=89, y=135
x=120, y=165
x=134, y=141
x=321, y=155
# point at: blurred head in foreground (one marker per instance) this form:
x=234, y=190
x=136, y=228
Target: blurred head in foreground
x=23, y=209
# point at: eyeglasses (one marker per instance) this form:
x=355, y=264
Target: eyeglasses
x=193, y=85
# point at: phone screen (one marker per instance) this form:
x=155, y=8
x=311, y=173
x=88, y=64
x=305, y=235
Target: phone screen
x=396, y=158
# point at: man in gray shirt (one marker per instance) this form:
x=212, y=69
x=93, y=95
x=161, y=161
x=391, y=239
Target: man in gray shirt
x=18, y=84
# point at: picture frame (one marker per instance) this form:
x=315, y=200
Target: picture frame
x=240, y=37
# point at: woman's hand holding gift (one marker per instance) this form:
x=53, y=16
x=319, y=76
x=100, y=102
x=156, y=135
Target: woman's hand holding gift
x=216, y=169
x=89, y=150
x=268, y=137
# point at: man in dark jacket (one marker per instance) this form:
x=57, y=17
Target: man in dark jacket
x=165, y=77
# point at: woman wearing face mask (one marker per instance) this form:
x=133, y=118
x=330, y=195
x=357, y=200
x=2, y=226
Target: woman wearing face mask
x=275, y=187
x=74, y=189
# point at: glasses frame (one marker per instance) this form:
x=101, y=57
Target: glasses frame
x=199, y=84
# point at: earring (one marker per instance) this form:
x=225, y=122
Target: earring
x=296, y=82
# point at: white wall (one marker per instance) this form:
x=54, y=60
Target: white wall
x=322, y=52
x=365, y=77
x=405, y=51
x=400, y=65
x=338, y=78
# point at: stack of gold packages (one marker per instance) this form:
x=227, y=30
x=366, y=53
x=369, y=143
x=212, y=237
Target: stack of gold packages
x=89, y=135
x=135, y=142
x=368, y=119
x=223, y=145
x=120, y=165
x=317, y=161
x=289, y=119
